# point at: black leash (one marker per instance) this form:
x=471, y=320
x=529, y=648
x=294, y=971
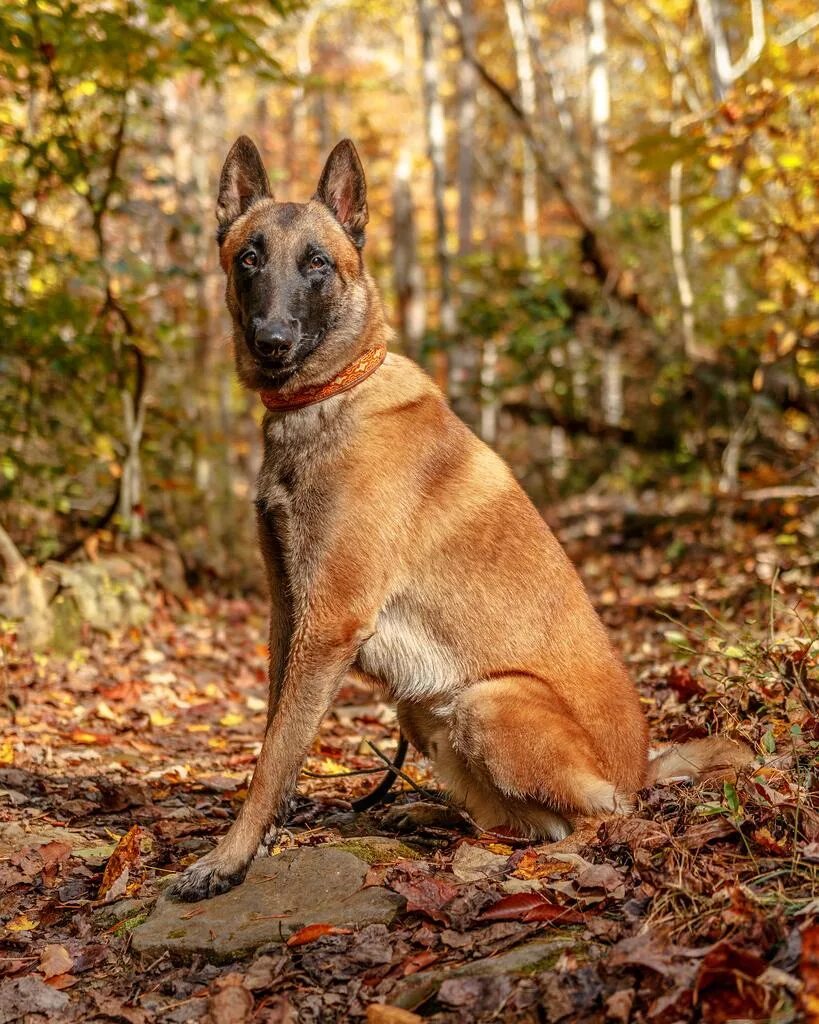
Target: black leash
x=385, y=785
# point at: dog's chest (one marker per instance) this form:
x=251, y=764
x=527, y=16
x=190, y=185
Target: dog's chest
x=295, y=491
x=407, y=658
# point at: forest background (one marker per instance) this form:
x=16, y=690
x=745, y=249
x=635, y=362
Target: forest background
x=593, y=221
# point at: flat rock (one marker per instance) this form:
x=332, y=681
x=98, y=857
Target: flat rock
x=377, y=849
x=280, y=895
x=530, y=958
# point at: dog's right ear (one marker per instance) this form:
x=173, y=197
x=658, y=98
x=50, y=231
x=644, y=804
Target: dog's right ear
x=243, y=182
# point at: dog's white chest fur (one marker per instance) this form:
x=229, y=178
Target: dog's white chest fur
x=410, y=662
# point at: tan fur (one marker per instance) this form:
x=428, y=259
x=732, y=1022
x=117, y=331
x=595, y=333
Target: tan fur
x=400, y=546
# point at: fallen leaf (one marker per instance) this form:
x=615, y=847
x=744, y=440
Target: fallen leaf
x=89, y=738
x=809, y=974
x=314, y=931
x=683, y=683
x=418, y=962
x=21, y=923
x=232, y=718
x=472, y=862
x=726, y=987
x=529, y=906
x=425, y=893
x=232, y=1003
x=378, y=1013
x=54, y=960
x=124, y=859
x=62, y=981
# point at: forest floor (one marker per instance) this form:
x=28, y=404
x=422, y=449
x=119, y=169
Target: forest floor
x=121, y=763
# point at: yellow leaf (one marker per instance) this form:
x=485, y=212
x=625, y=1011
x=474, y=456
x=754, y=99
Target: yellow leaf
x=6, y=752
x=22, y=923
x=104, y=711
x=330, y=767
x=231, y=718
x=160, y=719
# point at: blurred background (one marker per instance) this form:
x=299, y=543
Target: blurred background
x=594, y=222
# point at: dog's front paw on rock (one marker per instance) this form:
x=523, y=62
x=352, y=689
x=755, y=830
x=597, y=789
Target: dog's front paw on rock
x=202, y=880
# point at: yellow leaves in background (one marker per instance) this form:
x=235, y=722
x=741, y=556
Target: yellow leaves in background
x=231, y=719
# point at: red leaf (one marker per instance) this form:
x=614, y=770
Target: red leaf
x=425, y=893
x=529, y=906
x=311, y=932
x=683, y=683
x=418, y=961
x=554, y=912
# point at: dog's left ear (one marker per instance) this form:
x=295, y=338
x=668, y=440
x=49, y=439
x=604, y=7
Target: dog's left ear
x=243, y=181
x=343, y=189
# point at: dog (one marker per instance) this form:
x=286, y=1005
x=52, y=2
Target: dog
x=400, y=547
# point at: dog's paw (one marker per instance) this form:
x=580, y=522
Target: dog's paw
x=423, y=815
x=204, y=879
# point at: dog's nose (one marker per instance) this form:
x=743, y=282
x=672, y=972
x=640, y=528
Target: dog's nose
x=273, y=339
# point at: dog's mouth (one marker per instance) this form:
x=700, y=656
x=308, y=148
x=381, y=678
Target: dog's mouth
x=271, y=375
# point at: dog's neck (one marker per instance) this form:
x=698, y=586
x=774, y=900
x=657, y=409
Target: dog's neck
x=362, y=367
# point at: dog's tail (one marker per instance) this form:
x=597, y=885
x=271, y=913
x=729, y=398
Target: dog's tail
x=716, y=757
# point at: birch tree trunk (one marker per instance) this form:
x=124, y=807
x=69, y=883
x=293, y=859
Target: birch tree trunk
x=599, y=106
x=676, y=232
x=429, y=29
x=463, y=357
x=600, y=117
x=515, y=17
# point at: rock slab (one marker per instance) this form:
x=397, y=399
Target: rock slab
x=280, y=895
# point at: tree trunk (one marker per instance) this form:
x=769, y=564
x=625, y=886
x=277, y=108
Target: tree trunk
x=676, y=232
x=599, y=106
x=528, y=103
x=408, y=275
x=429, y=30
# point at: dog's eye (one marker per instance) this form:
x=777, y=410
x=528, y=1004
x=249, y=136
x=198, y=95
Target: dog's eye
x=317, y=262
x=249, y=259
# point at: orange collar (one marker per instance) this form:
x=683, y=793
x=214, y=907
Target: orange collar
x=357, y=371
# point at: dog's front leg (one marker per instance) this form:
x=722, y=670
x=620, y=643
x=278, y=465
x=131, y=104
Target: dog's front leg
x=318, y=659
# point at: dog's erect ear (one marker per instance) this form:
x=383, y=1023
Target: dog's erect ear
x=343, y=189
x=243, y=182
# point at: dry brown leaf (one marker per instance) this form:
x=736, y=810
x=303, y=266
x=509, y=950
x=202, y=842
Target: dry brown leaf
x=55, y=960
x=124, y=859
x=378, y=1013
x=231, y=1004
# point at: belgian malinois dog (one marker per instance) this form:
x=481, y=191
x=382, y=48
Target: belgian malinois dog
x=400, y=547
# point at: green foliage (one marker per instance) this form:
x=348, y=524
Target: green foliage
x=79, y=96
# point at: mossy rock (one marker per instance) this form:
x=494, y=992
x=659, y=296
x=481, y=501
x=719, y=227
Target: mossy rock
x=377, y=849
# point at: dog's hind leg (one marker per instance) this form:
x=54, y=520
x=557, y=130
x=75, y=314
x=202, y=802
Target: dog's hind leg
x=517, y=758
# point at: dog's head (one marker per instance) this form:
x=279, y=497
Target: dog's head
x=296, y=285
